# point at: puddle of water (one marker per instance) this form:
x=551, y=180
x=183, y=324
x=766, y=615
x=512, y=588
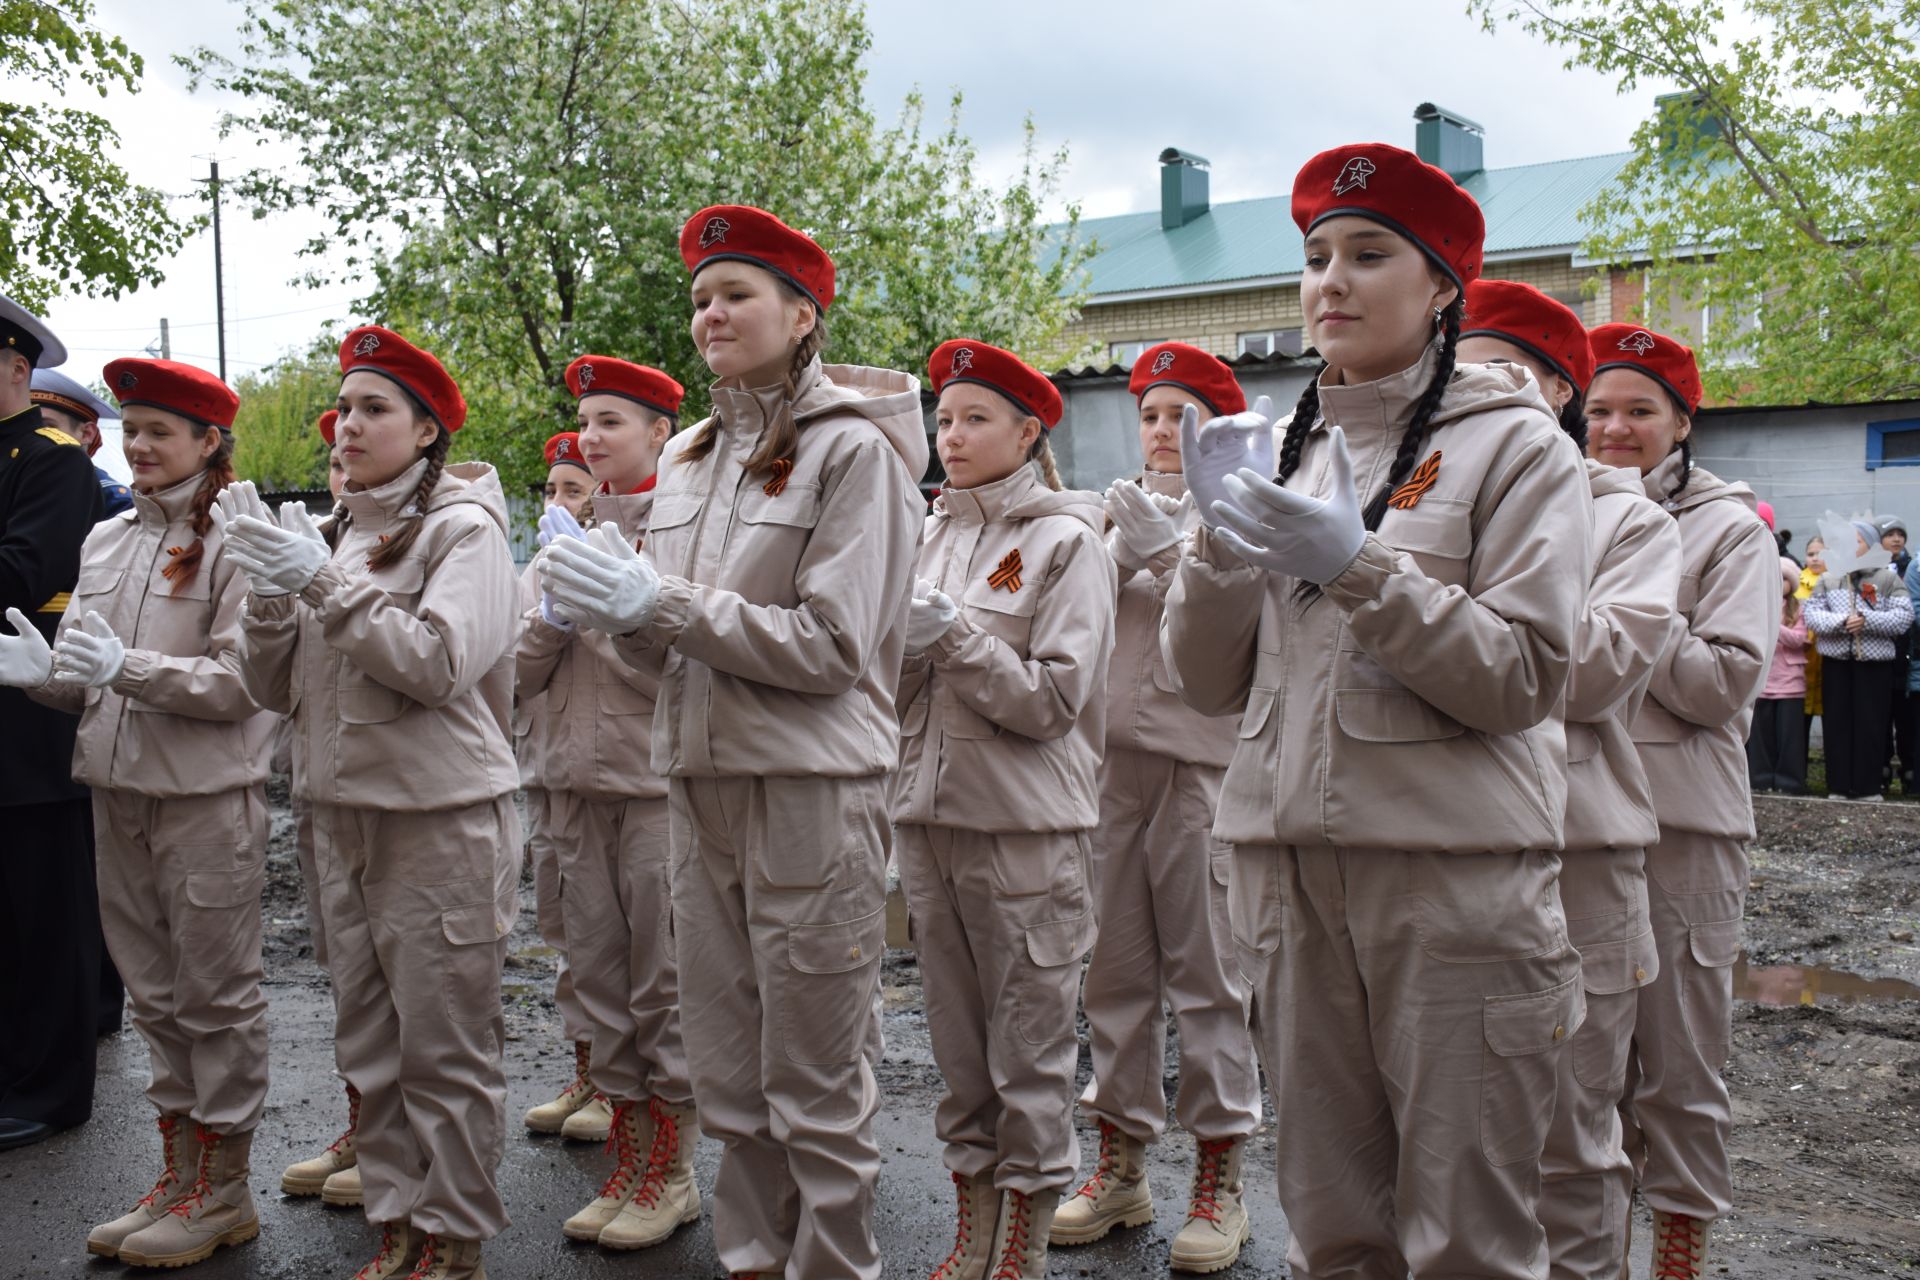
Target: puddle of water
x=1792, y=984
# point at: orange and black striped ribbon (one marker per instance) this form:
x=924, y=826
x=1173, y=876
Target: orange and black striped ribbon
x=1008, y=574
x=1410, y=493
x=782, y=469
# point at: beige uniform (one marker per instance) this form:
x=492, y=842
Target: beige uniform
x=529, y=750
x=1691, y=733
x=610, y=830
x=778, y=634
x=1587, y=1182
x=1394, y=805
x=1000, y=743
x=176, y=752
x=1161, y=889
x=400, y=682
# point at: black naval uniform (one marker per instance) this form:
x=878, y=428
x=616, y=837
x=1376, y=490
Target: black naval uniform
x=49, y=911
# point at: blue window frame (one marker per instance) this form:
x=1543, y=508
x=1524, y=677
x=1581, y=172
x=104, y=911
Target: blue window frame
x=1893, y=444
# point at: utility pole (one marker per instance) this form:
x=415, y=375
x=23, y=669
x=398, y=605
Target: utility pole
x=166, y=341
x=219, y=275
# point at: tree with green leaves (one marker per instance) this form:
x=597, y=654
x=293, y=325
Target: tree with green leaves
x=275, y=443
x=510, y=178
x=70, y=218
x=1778, y=182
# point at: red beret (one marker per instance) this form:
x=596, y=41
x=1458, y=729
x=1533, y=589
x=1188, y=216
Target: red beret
x=175, y=387
x=741, y=233
x=387, y=353
x=565, y=447
x=964, y=360
x=1401, y=192
x=605, y=376
x=327, y=421
x=1176, y=364
x=1669, y=363
x=1529, y=319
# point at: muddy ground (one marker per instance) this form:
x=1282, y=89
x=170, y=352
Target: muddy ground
x=1825, y=1076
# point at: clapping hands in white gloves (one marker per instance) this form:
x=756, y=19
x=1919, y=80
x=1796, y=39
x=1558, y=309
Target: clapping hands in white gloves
x=1211, y=453
x=89, y=654
x=278, y=556
x=1278, y=529
x=600, y=580
x=929, y=615
x=1144, y=522
x=556, y=522
x=26, y=658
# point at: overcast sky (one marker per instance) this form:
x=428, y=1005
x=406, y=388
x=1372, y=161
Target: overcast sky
x=1255, y=87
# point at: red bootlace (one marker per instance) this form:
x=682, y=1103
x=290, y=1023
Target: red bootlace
x=1094, y=1185
x=1676, y=1252
x=425, y=1265
x=1013, y=1259
x=353, y=1121
x=660, y=1158
x=962, y=1236
x=1206, y=1180
x=168, y=1176
x=379, y=1259
x=626, y=1159
x=202, y=1185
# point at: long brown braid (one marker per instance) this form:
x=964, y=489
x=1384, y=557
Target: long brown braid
x=1414, y=442
x=394, y=546
x=183, y=562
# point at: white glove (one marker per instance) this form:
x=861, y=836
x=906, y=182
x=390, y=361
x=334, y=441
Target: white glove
x=240, y=499
x=25, y=659
x=601, y=581
x=1313, y=539
x=282, y=556
x=929, y=615
x=558, y=522
x=89, y=654
x=1209, y=454
x=1146, y=528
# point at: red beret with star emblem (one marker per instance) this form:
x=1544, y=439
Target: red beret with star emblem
x=606, y=376
x=564, y=447
x=1200, y=372
x=175, y=387
x=1548, y=330
x=1632, y=346
x=1401, y=192
x=328, y=421
x=392, y=356
x=964, y=360
x=742, y=233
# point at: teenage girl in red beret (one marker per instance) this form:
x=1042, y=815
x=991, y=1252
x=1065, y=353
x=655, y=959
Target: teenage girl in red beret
x=389, y=636
x=175, y=749
x=1007, y=647
x=1586, y=1181
x=1162, y=879
x=609, y=816
x=783, y=530
x=1395, y=615
x=1691, y=733
x=578, y=1112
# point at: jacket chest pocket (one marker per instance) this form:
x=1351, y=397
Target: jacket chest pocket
x=1006, y=614
x=403, y=582
x=791, y=512
x=669, y=532
x=362, y=699
x=1437, y=533
x=97, y=584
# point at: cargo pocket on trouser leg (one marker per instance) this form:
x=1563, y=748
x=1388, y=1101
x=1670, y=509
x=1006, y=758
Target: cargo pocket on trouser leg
x=219, y=926
x=1517, y=1067
x=827, y=1003
x=1706, y=987
x=1045, y=1015
x=1254, y=909
x=473, y=934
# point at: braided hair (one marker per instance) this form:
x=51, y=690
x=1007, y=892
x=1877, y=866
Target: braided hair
x=1415, y=438
x=183, y=561
x=1573, y=420
x=393, y=547
x=1042, y=452
x=1686, y=469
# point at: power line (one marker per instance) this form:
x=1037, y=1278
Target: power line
x=208, y=324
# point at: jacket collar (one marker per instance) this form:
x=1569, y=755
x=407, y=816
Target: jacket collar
x=630, y=510
x=745, y=412
x=384, y=506
x=171, y=504
x=986, y=503
x=1171, y=483
x=1373, y=409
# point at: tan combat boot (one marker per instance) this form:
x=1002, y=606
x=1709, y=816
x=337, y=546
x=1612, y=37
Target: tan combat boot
x=591, y=1123
x=342, y=1190
x=629, y=1141
x=1679, y=1246
x=549, y=1116
x=218, y=1211
x=180, y=1151
x=308, y=1177
x=973, y=1237
x=1020, y=1243
x=399, y=1251
x=1115, y=1196
x=666, y=1198
x=443, y=1258
x=1217, y=1222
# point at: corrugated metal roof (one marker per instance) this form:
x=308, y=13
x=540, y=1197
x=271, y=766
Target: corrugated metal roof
x=1532, y=206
